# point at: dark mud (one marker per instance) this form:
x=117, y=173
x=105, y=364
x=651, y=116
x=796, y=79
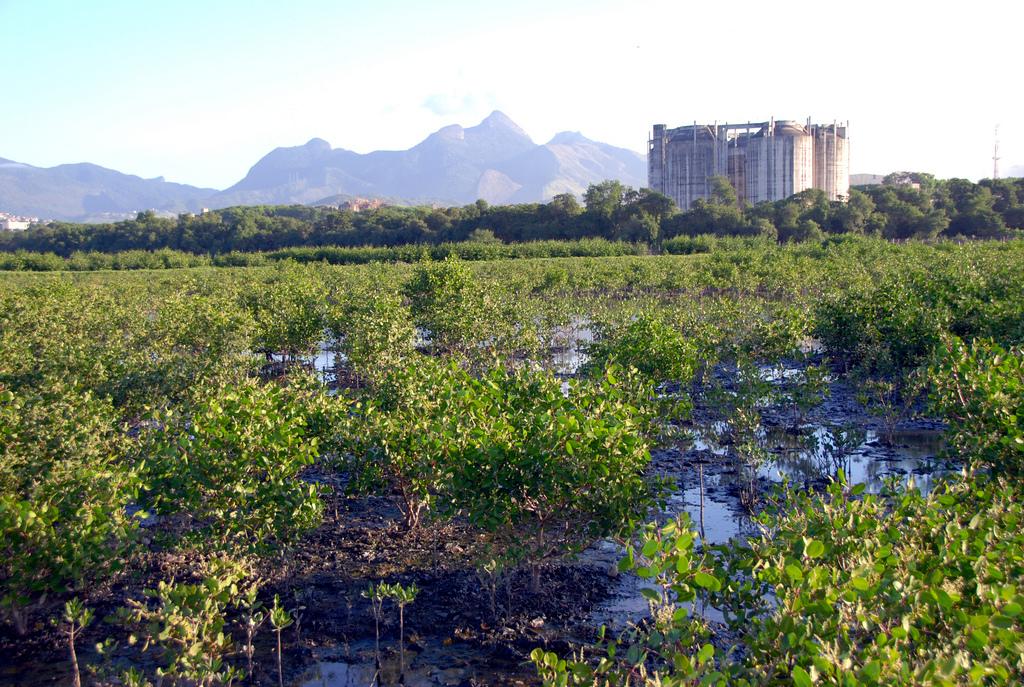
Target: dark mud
x=452, y=635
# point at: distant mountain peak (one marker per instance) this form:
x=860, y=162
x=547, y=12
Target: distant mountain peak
x=500, y=120
x=318, y=144
x=568, y=138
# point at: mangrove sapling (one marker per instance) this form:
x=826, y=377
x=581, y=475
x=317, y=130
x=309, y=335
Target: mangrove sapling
x=133, y=677
x=187, y=622
x=376, y=593
x=231, y=466
x=672, y=648
x=400, y=433
x=979, y=388
x=299, y=595
x=78, y=617
x=254, y=615
x=749, y=448
x=835, y=447
x=807, y=390
x=288, y=313
x=402, y=596
x=371, y=328
x=279, y=620
x=492, y=573
x=648, y=343
x=891, y=400
x=65, y=492
x=700, y=478
x=458, y=311
x=743, y=423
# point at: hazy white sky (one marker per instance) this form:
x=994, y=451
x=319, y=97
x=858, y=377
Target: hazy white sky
x=197, y=91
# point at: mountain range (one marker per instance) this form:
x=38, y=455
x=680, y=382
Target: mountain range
x=85, y=191
x=495, y=160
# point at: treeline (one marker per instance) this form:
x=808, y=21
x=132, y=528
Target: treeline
x=474, y=249
x=906, y=206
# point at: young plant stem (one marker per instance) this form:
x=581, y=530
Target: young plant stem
x=77, y=617
x=280, y=619
x=401, y=640
x=700, y=472
x=76, y=676
x=280, y=672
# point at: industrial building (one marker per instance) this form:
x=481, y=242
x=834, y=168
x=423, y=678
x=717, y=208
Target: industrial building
x=764, y=160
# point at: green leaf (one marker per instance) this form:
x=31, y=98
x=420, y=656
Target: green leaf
x=814, y=549
x=709, y=582
x=977, y=640
x=872, y=670
x=859, y=583
x=800, y=677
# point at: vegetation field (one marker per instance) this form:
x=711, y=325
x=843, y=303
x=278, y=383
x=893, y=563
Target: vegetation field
x=752, y=464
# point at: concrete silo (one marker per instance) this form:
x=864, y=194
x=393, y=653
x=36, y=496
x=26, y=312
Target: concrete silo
x=765, y=161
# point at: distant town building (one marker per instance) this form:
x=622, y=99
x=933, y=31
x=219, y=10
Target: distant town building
x=9, y=222
x=361, y=204
x=765, y=161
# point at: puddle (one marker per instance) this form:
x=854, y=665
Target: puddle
x=625, y=604
x=451, y=663
x=568, y=344
x=714, y=517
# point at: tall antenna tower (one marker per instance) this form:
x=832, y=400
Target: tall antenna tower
x=995, y=155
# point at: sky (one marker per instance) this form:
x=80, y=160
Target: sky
x=198, y=91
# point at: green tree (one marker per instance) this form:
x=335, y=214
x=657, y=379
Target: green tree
x=722, y=192
x=604, y=202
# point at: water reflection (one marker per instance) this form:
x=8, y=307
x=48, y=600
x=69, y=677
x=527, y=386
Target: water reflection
x=568, y=344
x=863, y=457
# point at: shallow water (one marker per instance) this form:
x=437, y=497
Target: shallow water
x=455, y=663
x=867, y=459
x=719, y=517
x=568, y=346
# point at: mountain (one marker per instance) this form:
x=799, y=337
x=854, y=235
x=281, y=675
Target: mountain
x=85, y=191
x=495, y=160
x=568, y=163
